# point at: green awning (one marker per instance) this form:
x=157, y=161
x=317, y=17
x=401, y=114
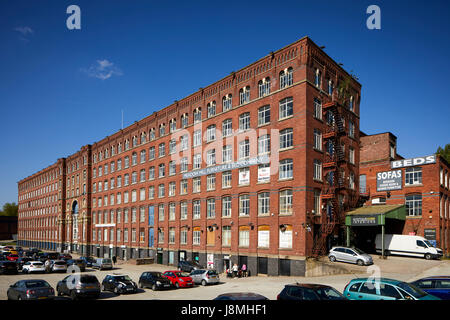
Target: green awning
x=375, y=215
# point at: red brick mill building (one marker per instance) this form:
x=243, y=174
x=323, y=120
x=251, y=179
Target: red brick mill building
x=421, y=184
x=257, y=168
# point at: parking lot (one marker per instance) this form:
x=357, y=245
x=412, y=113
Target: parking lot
x=401, y=268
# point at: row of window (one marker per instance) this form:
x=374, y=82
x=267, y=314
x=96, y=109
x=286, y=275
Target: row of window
x=285, y=238
x=330, y=88
x=285, y=172
x=285, y=202
x=285, y=110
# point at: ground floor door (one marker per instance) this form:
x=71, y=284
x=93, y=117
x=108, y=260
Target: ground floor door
x=182, y=256
x=262, y=265
x=285, y=267
x=171, y=257
x=242, y=260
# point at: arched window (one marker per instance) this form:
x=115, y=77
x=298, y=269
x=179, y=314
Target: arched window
x=227, y=102
x=152, y=134
x=318, y=78
x=172, y=125
x=197, y=115
x=162, y=129
x=244, y=95
x=264, y=87
x=286, y=198
x=211, y=109
x=184, y=120
x=143, y=137
x=286, y=78
x=285, y=236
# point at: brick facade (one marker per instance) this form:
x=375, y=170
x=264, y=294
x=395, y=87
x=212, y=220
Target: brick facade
x=81, y=175
x=434, y=190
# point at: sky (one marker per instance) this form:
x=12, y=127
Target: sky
x=61, y=89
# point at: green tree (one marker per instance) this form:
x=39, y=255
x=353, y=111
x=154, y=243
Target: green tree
x=444, y=153
x=9, y=209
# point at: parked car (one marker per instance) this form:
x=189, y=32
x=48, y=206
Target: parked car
x=81, y=286
x=33, y=266
x=154, y=280
x=64, y=256
x=179, y=278
x=351, y=255
x=438, y=286
x=49, y=256
x=102, y=263
x=21, y=261
x=305, y=291
x=58, y=266
x=28, y=253
x=118, y=284
x=30, y=290
x=204, y=277
x=13, y=251
x=188, y=266
x=8, y=267
x=241, y=296
x=406, y=245
x=12, y=257
x=79, y=263
x=384, y=289
x=88, y=260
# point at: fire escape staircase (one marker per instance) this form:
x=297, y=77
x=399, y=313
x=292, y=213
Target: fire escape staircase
x=333, y=159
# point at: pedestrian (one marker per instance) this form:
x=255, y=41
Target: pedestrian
x=47, y=265
x=244, y=270
x=114, y=259
x=235, y=270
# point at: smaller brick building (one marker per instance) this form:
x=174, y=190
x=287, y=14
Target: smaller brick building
x=420, y=183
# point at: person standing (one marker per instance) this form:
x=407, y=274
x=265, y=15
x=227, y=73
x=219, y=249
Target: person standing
x=244, y=270
x=114, y=259
x=235, y=270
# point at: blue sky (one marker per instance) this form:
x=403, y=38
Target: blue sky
x=61, y=89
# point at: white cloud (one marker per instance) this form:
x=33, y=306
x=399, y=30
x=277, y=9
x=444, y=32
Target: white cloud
x=103, y=69
x=24, y=30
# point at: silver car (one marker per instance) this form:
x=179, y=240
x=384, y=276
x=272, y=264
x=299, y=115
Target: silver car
x=204, y=277
x=350, y=255
x=58, y=266
x=102, y=263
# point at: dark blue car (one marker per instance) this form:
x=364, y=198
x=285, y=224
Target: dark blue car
x=438, y=286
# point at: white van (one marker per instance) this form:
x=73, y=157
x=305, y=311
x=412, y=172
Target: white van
x=405, y=245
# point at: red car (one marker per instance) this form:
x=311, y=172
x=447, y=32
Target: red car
x=12, y=257
x=179, y=279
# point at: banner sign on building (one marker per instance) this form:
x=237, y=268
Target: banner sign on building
x=389, y=180
x=263, y=238
x=264, y=174
x=413, y=162
x=365, y=220
x=429, y=234
x=244, y=177
x=227, y=166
